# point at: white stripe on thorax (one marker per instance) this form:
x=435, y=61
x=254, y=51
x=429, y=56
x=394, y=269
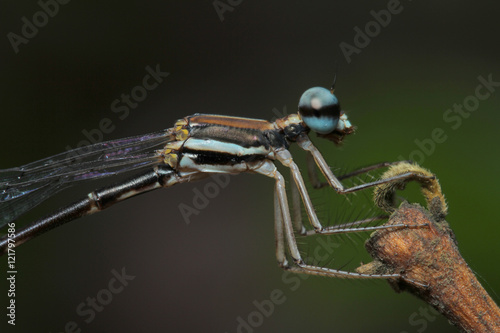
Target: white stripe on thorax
x=223, y=147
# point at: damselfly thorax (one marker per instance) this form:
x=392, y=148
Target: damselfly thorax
x=222, y=144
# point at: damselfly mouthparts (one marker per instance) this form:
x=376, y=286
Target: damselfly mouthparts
x=196, y=147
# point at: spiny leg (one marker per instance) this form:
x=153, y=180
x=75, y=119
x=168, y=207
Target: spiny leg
x=285, y=158
x=278, y=232
x=298, y=184
x=312, y=171
x=284, y=232
x=305, y=143
x=296, y=207
x=348, y=227
x=367, y=169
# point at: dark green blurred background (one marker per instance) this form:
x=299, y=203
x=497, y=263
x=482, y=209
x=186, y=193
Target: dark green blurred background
x=262, y=56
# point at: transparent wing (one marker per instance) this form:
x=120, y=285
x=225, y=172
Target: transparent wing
x=23, y=188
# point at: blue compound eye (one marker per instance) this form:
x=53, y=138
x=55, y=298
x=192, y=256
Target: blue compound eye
x=320, y=110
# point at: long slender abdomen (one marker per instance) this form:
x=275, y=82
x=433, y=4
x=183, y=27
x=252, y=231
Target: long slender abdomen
x=95, y=201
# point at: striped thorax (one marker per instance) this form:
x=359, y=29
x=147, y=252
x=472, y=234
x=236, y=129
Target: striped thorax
x=213, y=143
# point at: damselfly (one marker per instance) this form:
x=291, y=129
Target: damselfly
x=195, y=148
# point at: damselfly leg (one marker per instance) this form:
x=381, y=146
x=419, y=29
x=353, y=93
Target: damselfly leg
x=305, y=143
x=312, y=171
x=285, y=234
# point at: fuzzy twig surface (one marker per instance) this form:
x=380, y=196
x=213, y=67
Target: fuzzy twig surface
x=432, y=269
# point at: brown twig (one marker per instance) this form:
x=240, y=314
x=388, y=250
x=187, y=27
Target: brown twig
x=431, y=266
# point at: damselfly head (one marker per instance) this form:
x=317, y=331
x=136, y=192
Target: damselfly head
x=320, y=110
